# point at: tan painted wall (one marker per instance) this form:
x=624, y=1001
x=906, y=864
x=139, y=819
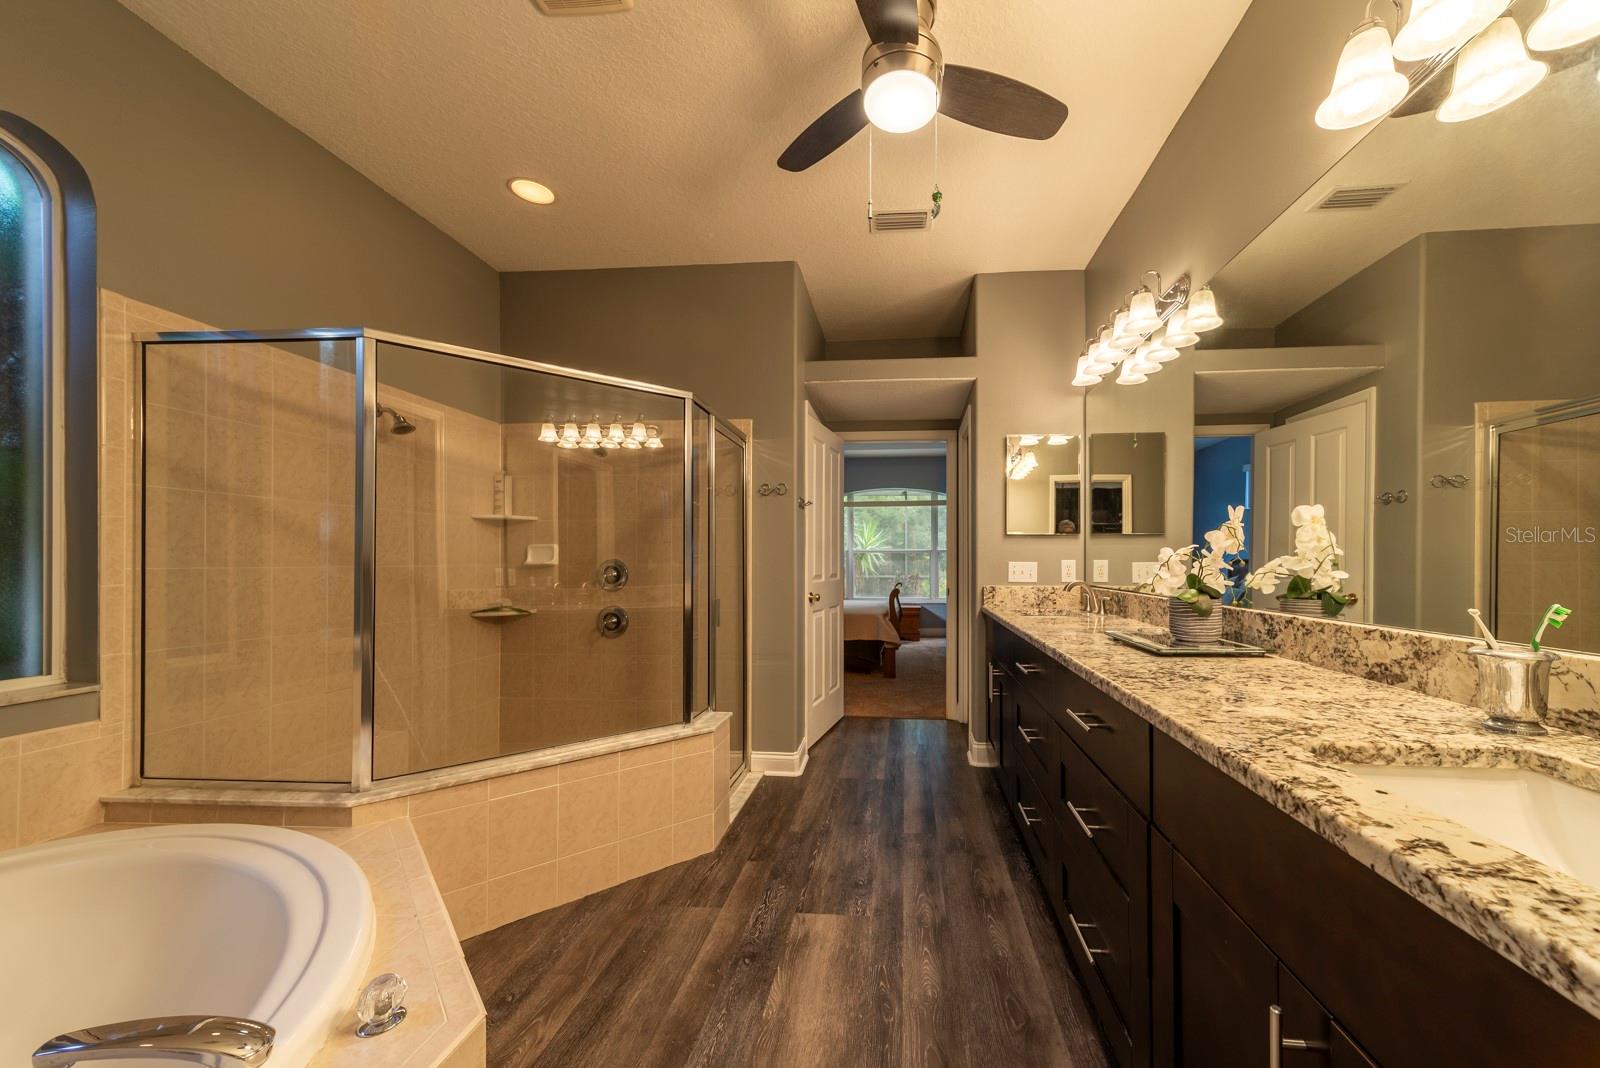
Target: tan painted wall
x=734, y=334
x=210, y=204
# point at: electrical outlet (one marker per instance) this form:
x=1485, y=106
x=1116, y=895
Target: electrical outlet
x=1143, y=572
x=1069, y=571
x=1022, y=571
x=1102, y=571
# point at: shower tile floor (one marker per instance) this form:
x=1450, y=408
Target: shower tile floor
x=877, y=910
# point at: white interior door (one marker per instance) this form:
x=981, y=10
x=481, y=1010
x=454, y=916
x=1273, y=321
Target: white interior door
x=824, y=612
x=1323, y=457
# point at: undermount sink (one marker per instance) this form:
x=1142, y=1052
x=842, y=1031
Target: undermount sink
x=1544, y=818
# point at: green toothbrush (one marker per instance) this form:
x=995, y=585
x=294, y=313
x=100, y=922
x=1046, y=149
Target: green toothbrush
x=1554, y=616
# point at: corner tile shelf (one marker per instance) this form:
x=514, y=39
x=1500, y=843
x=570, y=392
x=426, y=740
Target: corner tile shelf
x=494, y=517
x=500, y=613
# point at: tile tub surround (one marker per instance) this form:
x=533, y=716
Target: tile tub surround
x=445, y=1020
x=1436, y=665
x=1282, y=729
x=553, y=827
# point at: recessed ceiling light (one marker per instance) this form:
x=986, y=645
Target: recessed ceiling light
x=532, y=191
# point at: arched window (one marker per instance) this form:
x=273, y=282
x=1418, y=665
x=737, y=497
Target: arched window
x=896, y=535
x=29, y=396
x=49, y=431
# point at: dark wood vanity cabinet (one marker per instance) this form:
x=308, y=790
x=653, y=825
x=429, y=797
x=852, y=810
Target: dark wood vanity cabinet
x=1211, y=928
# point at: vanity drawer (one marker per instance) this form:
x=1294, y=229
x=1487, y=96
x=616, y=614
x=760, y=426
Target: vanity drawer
x=1103, y=926
x=1115, y=738
x=1095, y=811
x=1036, y=737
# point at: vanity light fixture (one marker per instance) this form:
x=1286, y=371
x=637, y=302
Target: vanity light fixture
x=1437, y=26
x=1366, y=86
x=1131, y=374
x=1491, y=72
x=1142, y=315
x=570, y=433
x=1178, y=334
x=614, y=432
x=1564, y=24
x=531, y=191
x=1159, y=351
x=547, y=434
x=1203, y=311
x=1104, y=355
x=591, y=434
x=1123, y=335
x=639, y=433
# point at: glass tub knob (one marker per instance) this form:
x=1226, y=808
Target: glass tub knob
x=380, y=1006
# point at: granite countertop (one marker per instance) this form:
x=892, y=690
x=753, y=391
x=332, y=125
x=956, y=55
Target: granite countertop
x=1283, y=729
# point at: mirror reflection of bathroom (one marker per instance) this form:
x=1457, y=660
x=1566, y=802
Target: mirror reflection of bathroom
x=1044, y=483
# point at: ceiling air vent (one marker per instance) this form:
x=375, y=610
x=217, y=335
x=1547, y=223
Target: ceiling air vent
x=888, y=222
x=1356, y=198
x=583, y=7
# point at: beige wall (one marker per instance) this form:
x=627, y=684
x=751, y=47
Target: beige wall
x=211, y=204
x=734, y=335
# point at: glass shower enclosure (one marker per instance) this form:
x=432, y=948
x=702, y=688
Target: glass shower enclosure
x=367, y=557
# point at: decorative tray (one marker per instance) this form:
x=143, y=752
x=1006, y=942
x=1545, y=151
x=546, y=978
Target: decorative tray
x=1161, y=644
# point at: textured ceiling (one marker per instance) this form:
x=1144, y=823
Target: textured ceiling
x=659, y=130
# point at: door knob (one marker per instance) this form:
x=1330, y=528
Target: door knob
x=813, y=598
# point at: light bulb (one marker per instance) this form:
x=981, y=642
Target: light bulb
x=547, y=433
x=1439, y=25
x=1142, y=315
x=570, y=433
x=899, y=101
x=1203, y=311
x=1564, y=24
x=1365, y=84
x=614, y=432
x=1178, y=334
x=1491, y=72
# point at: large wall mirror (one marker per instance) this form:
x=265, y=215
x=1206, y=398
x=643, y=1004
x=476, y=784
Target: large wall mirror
x=1044, y=483
x=1415, y=345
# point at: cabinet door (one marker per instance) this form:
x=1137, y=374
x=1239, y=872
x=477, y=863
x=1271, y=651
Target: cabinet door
x=1213, y=982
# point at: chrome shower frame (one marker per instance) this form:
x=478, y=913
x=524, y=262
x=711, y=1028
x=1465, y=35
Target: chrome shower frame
x=364, y=668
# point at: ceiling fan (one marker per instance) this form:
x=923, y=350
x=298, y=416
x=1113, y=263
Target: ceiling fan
x=905, y=82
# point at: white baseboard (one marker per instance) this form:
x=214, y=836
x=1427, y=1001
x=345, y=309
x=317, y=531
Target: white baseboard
x=786, y=765
x=982, y=755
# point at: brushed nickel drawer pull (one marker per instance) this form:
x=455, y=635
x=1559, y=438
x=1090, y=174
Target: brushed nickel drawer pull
x=1077, y=930
x=1029, y=735
x=1027, y=668
x=1086, y=723
x=1276, y=1043
x=1088, y=828
x=1026, y=819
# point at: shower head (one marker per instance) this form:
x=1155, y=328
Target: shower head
x=401, y=426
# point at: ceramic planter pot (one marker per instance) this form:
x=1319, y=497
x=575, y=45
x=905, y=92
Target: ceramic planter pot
x=1189, y=627
x=1303, y=606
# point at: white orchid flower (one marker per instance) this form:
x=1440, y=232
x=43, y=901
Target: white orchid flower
x=1307, y=513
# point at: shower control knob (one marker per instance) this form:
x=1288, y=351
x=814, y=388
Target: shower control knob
x=612, y=621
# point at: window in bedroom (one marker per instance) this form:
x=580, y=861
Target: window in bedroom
x=895, y=535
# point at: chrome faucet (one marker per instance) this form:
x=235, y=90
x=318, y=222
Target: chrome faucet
x=1091, y=597
x=212, y=1041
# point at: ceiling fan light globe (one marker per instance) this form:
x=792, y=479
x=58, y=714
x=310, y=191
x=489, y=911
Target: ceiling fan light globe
x=900, y=101
x=1365, y=85
x=1436, y=26
x=1491, y=72
x=1564, y=24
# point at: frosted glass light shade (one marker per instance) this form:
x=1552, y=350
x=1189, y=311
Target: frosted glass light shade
x=899, y=101
x=1161, y=350
x=1058, y=439
x=1439, y=25
x=570, y=433
x=1491, y=72
x=1178, y=334
x=1131, y=375
x=547, y=433
x=1564, y=24
x=639, y=433
x=1123, y=336
x=1203, y=311
x=1084, y=378
x=1142, y=315
x=1365, y=84
x=591, y=433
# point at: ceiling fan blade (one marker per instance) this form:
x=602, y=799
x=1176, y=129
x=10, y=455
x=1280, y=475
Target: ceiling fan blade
x=889, y=20
x=836, y=126
x=994, y=102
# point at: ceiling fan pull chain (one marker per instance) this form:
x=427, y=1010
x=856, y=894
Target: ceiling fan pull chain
x=938, y=197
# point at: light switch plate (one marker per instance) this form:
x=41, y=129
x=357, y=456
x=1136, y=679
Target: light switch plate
x=1022, y=571
x=1102, y=571
x=1069, y=571
x=1143, y=572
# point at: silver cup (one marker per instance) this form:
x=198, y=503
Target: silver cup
x=1514, y=688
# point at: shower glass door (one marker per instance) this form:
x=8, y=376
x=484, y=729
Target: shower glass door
x=728, y=583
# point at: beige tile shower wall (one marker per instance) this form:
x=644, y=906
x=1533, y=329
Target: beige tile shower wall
x=561, y=680
x=438, y=685
x=249, y=559
x=510, y=847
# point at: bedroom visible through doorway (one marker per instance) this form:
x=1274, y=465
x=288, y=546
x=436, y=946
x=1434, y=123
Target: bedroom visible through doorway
x=896, y=545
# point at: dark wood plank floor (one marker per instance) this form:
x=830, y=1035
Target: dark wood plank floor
x=876, y=911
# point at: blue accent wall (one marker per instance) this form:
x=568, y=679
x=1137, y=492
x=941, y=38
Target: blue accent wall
x=1221, y=478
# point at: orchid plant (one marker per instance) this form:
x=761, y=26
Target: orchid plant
x=1313, y=570
x=1200, y=577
